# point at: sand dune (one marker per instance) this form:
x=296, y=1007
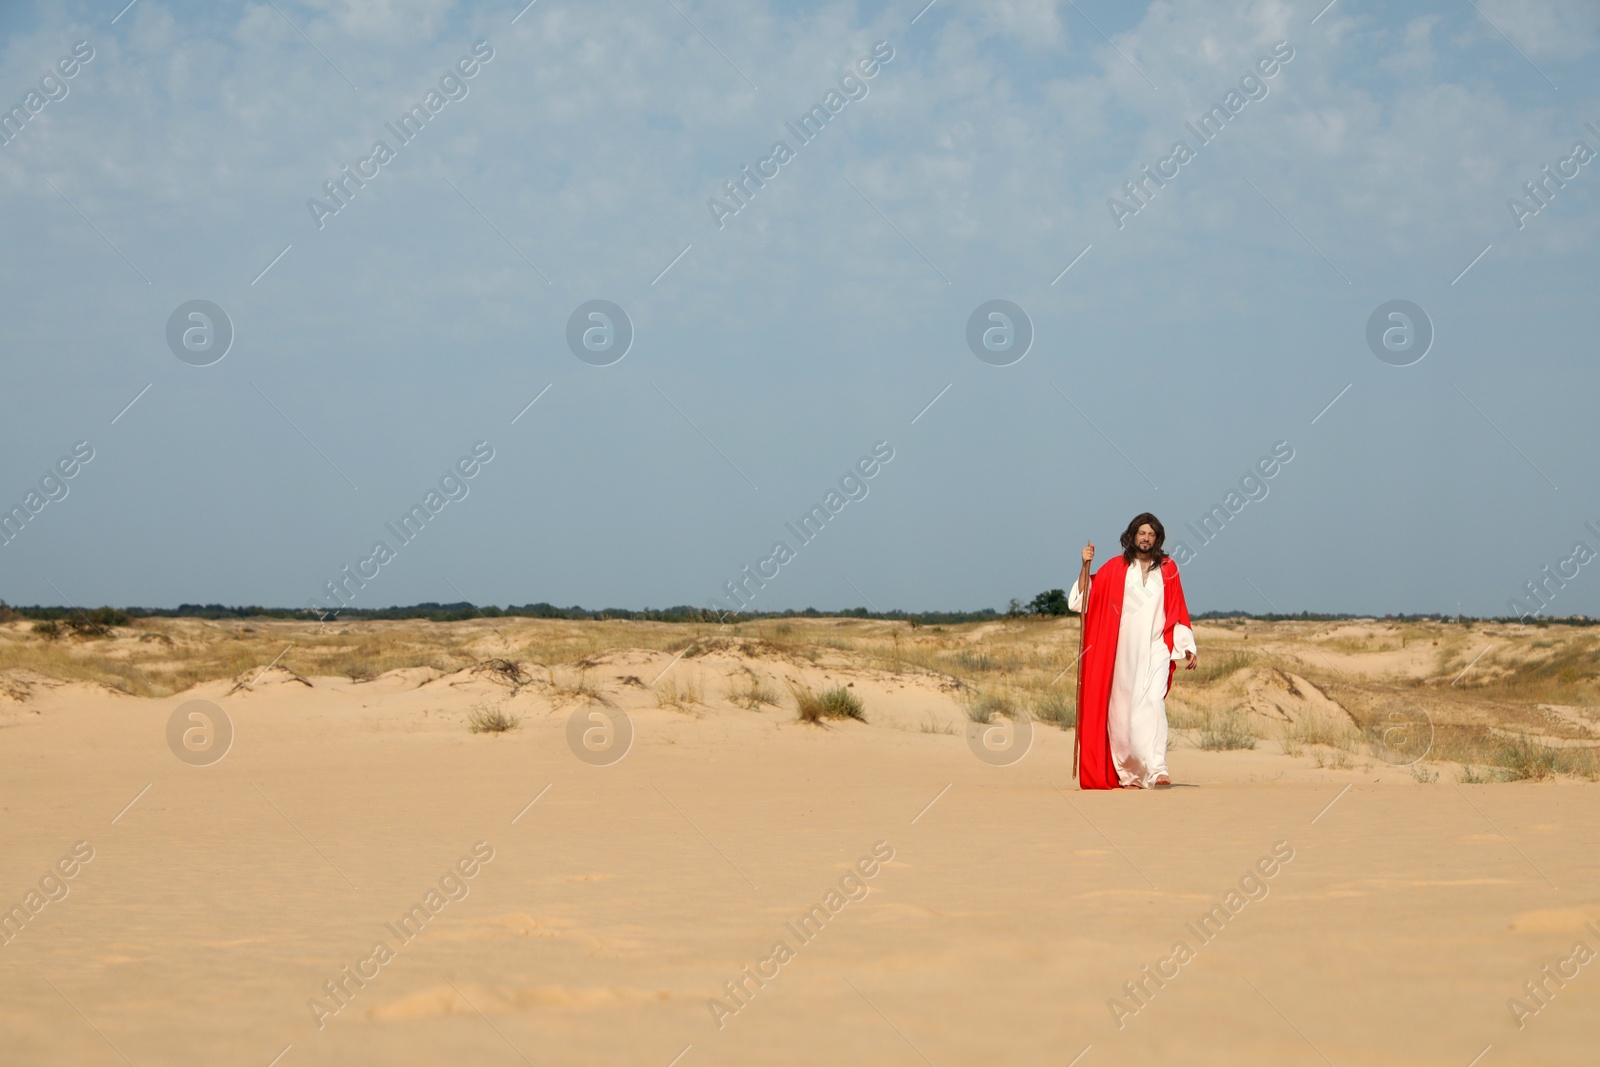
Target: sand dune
x=624, y=901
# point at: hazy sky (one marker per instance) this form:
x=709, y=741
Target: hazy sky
x=779, y=337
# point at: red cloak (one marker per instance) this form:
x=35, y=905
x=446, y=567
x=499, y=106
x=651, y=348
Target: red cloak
x=1102, y=620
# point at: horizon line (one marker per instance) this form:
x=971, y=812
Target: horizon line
x=687, y=612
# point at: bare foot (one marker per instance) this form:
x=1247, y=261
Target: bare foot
x=1161, y=780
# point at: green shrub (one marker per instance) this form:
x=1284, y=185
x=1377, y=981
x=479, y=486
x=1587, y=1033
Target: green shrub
x=1049, y=602
x=95, y=623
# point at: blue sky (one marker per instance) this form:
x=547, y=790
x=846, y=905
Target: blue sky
x=773, y=352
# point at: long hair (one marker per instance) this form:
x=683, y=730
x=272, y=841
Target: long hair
x=1130, y=550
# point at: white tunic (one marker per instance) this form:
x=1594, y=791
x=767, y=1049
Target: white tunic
x=1136, y=718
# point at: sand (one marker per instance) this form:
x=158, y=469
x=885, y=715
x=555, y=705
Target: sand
x=620, y=899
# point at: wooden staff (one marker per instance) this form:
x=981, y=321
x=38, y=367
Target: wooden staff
x=1077, y=726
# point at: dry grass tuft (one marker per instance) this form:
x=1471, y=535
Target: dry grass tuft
x=835, y=703
x=984, y=705
x=483, y=719
x=1524, y=759
x=750, y=692
x=1052, y=705
x=1327, y=730
x=1486, y=755
x=1226, y=732
x=576, y=686
x=1216, y=668
x=1339, y=759
x=683, y=696
x=1181, y=715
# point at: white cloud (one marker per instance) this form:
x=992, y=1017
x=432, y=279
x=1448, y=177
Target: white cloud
x=1547, y=29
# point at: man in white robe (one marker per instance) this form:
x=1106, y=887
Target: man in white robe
x=1136, y=713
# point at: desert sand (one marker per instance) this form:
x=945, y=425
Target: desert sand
x=610, y=903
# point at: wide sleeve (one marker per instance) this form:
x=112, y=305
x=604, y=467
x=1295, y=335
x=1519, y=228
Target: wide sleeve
x=1182, y=633
x=1074, y=598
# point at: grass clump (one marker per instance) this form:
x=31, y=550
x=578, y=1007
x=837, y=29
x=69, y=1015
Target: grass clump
x=483, y=719
x=970, y=660
x=1332, y=739
x=1529, y=759
x=578, y=686
x=1227, y=732
x=360, y=661
x=751, y=692
x=1486, y=755
x=1215, y=668
x=670, y=694
x=1524, y=759
x=835, y=703
x=1339, y=758
x=983, y=707
x=1319, y=730
x=358, y=669
x=1583, y=762
x=1052, y=705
